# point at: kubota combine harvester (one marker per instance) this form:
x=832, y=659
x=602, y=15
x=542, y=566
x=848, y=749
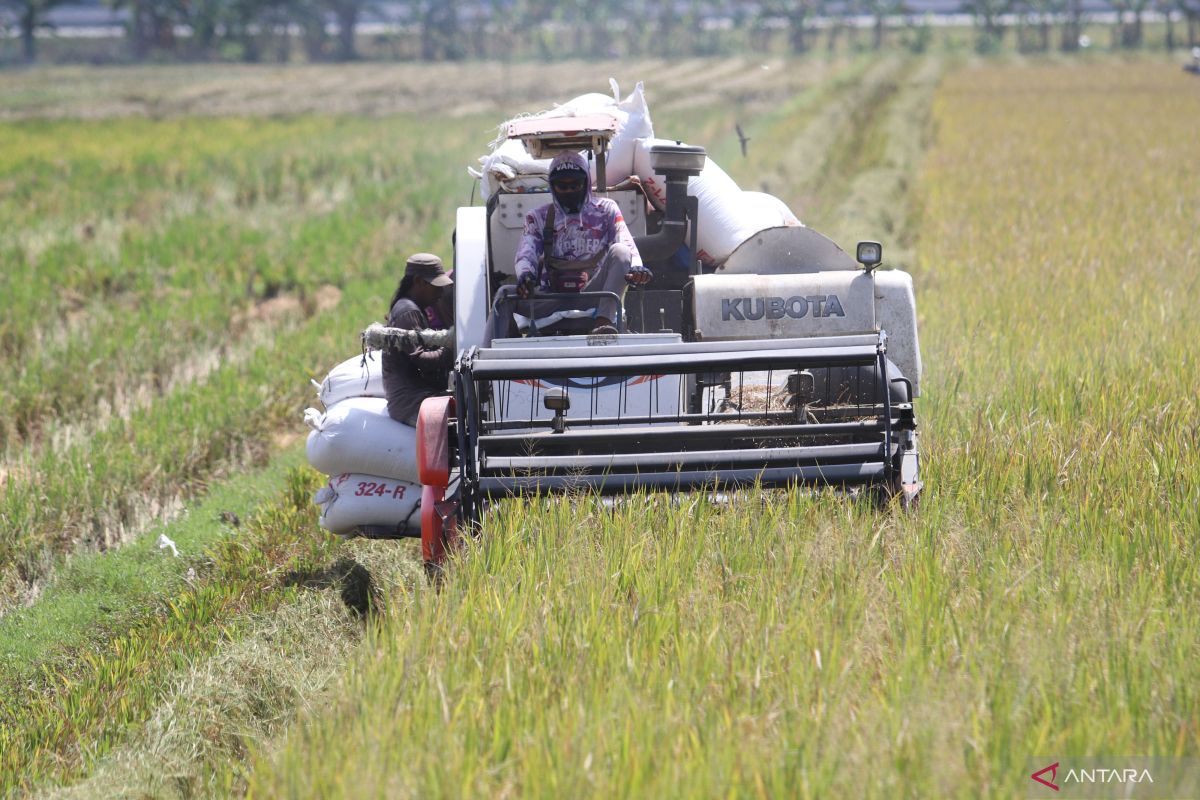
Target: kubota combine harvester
x=788, y=363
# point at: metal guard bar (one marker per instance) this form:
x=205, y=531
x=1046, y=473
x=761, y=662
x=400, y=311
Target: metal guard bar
x=676, y=432
x=671, y=363
x=639, y=452
x=686, y=348
x=684, y=480
x=666, y=461
x=724, y=417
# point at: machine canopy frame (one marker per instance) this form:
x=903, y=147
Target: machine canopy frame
x=545, y=137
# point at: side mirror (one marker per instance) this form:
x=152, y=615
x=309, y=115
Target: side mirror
x=870, y=255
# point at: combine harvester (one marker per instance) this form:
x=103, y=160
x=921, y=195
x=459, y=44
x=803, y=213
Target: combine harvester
x=779, y=362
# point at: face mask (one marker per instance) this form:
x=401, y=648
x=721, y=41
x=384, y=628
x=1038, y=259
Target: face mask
x=572, y=199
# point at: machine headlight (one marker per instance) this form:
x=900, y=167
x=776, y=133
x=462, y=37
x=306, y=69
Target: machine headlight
x=556, y=400
x=870, y=254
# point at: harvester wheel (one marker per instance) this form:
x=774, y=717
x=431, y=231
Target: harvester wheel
x=439, y=526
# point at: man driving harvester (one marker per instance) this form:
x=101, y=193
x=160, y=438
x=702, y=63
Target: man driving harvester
x=577, y=243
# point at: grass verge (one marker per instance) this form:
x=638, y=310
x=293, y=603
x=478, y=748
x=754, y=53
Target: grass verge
x=88, y=694
x=100, y=592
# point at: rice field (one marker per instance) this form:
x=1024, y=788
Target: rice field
x=176, y=263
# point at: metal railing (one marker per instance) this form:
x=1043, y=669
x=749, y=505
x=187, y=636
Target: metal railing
x=507, y=301
x=738, y=420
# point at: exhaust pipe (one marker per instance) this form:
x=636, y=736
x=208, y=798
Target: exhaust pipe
x=676, y=163
x=661, y=245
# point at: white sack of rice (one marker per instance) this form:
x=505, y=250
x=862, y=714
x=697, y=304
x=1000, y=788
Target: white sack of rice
x=354, y=499
x=357, y=435
x=728, y=215
x=358, y=376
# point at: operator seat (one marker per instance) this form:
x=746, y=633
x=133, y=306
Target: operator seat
x=506, y=224
x=506, y=305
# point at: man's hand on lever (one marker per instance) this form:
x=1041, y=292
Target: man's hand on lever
x=638, y=276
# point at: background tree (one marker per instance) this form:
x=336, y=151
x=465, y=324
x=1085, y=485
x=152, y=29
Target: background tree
x=706, y=40
x=1136, y=33
x=841, y=15
x=1167, y=9
x=797, y=14
x=438, y=28
x=665, y=23
x=533, y=15
x=1033, y=32
x=989, y=19
x=346, y=12
x=309, y=16
x=1072, y=26
x=31, y=16
x=151, y=25
x=204, y=17
x=274, y=25
x=1128, y=30
x=1191, y=12
x=880, y=10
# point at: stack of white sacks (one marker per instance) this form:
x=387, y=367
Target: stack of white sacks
x=370, y=458
x=729, y=216
x=510, y=167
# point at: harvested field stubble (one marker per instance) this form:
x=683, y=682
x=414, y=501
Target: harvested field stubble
x=432, y=90
x=221, y=661
x=105, y=428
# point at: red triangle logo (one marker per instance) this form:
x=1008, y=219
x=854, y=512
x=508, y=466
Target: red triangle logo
x=1053, y=770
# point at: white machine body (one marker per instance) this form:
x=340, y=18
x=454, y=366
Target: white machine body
x=827, y=303
x=640, y=395
x=785, y=361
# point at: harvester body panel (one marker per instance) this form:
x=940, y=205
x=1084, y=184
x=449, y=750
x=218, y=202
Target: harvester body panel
x=520, y=399
x=807, y=304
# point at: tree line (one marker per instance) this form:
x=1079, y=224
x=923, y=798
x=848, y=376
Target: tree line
x=442, y=30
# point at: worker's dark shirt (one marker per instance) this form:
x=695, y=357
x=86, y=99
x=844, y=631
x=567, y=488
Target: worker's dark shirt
x=409, y=377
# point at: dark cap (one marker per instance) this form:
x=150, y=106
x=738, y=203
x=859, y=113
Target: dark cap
x=567, y=169
x=429, y=267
